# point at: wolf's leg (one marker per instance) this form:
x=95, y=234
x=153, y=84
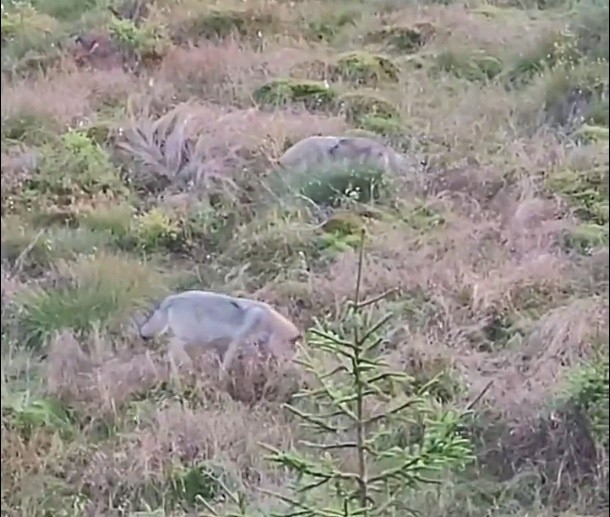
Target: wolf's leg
x=252, y=318
x=177, y=351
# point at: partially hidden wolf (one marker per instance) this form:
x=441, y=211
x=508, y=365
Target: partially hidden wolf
x=316, y=151
x=217, y=321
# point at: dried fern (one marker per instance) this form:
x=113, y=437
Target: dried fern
x=169, y=151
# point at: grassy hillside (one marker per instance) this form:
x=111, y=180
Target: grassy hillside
x=137, y=147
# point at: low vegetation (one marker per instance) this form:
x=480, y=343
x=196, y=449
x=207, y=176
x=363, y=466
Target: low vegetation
x=468, y=372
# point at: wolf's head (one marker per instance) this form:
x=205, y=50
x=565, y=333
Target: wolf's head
x=155, y=325
x=283, y=334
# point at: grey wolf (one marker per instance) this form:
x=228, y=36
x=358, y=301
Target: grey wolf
x=217, y=321
x=315, y=151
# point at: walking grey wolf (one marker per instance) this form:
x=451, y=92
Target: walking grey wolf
x=316, y=151
x=217, y=321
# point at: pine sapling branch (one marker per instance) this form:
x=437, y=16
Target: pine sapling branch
x=384, y=470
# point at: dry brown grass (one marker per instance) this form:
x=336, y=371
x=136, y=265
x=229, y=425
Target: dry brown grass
x=486, y=287
x=68, y=98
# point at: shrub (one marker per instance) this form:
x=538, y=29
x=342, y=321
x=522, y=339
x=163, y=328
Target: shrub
x=30, y=39
x=585, y=40
x=21, y=18
x=155, y=230
x=93, y=291
x=73, y=167
x=333, y=185
x=146, y=43
x=551, y=50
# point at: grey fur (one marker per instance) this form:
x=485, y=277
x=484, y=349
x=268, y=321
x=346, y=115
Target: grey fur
x=350, y=150
x=215, y=321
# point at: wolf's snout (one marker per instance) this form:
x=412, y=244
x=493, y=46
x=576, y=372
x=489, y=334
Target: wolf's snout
x=143, y=336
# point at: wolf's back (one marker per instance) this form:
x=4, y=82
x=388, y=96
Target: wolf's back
x=372, y=152
x=309, y=151
x=317, y=150
x=205, y=317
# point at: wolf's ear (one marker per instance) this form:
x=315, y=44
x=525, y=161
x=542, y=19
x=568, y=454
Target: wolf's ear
x=144, y=311
x=332, y=149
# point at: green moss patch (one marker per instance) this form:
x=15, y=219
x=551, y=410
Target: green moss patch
x=381, y=125
x=358, y=105
x=313, y=94
x=366, y=68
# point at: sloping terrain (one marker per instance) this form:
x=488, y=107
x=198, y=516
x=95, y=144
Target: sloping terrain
x=138, y=143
